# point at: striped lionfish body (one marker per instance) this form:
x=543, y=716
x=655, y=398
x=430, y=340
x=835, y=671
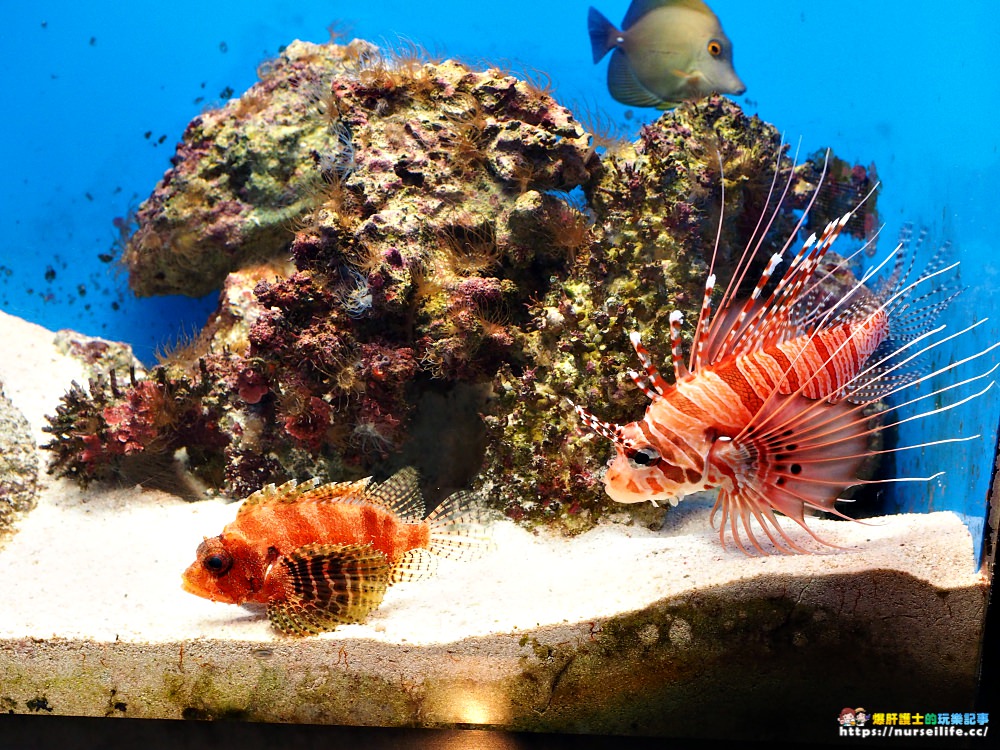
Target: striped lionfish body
x=774, y=404
x=319, y=556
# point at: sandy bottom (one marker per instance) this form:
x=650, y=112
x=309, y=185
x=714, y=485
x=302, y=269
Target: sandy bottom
x=105, y=563
x=619, y=630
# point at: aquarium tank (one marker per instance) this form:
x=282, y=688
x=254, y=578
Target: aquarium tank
x=363, y=318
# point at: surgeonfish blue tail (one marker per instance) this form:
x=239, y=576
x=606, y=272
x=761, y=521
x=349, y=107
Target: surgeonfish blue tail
x=603, y=34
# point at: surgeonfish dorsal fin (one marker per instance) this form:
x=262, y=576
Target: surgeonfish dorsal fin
x=639, y=8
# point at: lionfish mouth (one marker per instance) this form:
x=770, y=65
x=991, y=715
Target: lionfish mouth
x=190, y=585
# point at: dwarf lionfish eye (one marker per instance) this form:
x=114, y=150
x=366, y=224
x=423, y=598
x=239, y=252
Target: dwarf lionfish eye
x=643, y=457
x=218, y=563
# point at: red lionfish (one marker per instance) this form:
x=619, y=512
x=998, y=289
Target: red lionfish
x=773, y=406
x=319, y=556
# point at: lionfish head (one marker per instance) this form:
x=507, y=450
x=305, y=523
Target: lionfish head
x=219, y=573
x=640, y=472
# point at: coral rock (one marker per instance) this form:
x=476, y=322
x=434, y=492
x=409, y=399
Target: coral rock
x=442, y=257
x=241, y=176
x=18, y=464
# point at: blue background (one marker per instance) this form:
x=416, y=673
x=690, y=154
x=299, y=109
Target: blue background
x=911, y=86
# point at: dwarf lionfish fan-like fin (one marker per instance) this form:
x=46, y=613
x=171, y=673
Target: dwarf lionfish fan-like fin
x=459, y=527
x=400, y=493
x=414, y=565
x=320, y=586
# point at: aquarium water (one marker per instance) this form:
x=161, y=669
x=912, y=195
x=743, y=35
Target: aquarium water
x=99, y=94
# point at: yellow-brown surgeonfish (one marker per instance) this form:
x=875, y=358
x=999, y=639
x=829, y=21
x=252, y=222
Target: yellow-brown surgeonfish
x=667, y=52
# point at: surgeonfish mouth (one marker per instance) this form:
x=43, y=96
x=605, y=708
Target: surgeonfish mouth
x=666, y=52
x=780, y=395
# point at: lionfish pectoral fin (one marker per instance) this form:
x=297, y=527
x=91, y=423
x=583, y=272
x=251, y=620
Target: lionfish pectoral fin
x=320, y=586
x=797, y=453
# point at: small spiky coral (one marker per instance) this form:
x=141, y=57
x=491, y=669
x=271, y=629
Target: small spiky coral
x=97, y=432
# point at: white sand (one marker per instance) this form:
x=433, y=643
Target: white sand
x=105, y=565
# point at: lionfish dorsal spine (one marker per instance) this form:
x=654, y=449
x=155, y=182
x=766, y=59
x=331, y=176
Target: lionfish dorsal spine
x=606, y=430
x=676, y=352
x=652, y=384
x=729, y=342
x=704, y=324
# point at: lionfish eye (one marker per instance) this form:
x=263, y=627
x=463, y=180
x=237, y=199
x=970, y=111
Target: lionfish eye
x=218, y=563
x=641, y=458
x=714, y=47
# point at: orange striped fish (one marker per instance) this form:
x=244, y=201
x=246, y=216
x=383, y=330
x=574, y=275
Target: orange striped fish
x=773, y=405
x=319, y=556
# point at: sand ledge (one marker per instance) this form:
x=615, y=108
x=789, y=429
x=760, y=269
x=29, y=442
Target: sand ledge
x=618, y=630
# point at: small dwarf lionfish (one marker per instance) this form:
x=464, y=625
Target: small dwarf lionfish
x=774, y=405
x=319, y=556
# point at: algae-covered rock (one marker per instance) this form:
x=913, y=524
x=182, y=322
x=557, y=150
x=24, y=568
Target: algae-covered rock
x=241, y=176
x=433, y=226
x=18, y=465
x=655, y=217
x=460, y=245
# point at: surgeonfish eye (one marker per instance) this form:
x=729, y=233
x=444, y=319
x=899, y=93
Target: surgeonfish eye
x=714, y=47
x=641, y=458
x=218, y=563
